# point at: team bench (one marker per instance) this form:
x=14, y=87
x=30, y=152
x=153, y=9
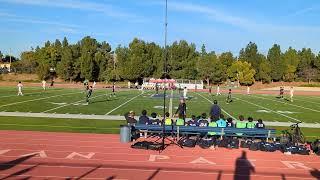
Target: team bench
x=218, y=131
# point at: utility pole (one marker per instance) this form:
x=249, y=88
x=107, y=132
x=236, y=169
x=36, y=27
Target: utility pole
x=10, y=60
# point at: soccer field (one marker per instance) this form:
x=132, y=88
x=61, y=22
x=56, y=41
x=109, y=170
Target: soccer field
x=72, y=101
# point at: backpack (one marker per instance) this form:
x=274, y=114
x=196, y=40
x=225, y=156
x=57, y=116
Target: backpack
x=141, y=145
x=246, y=143
x=233, y=143
x=269, y=147
x=254, y=146
x=223, y=142
x=302, y=150
x=206, y=143
x=187, y=142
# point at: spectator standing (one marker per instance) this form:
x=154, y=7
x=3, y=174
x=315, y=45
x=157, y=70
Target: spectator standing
x=215, y=111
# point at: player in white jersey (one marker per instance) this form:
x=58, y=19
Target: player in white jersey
x=185, y=90
x=44, y=85
x=218, y=90
x=94, y=84
x=20, y=88
x=248, y=90
x=291, y=94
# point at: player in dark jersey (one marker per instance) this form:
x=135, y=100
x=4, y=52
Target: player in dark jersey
x=89, y=93
x=229, y=98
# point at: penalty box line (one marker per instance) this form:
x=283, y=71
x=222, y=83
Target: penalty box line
x=297, y=120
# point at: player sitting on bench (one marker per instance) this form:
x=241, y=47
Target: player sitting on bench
x=180, y=121
x=203, y=122
x=154, y=120
x=193, y=121
x=260, y=124
x=250, y=123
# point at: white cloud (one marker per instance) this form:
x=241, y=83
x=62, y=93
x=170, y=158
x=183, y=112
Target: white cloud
x=27, y=20
x=106, y=9
x=302, y=11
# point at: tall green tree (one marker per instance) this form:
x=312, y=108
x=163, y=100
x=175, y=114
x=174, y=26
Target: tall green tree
x=241, y=71
x=291, y=61
x=251, y=55
x=276, y=61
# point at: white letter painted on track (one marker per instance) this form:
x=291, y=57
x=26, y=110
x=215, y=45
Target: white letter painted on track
x=74, y=154
x=4, y=151
x=202, y=160
x=294, y=165
x=41, y=154
x=153, y=158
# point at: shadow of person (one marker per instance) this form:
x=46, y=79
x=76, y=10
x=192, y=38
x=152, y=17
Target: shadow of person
x=13, y=163
x=315, y=173
x=243, y=168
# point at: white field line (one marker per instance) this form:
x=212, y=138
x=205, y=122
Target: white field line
x=34, y=93
x=287, y=103
x=124, y=103
x=221, y=108
x=268, y=109
x=37, y=99
x=70, y=104
x=298, y=99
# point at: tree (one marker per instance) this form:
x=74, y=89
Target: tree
x=251, y=55
x=227, y=58
x=291, y=60
x=205, y=65
x=1, y=55
x=309, y=73
x=263, y=74
x=241, y=71
x=276, y=61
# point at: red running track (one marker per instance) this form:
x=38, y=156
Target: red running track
x=43, y=155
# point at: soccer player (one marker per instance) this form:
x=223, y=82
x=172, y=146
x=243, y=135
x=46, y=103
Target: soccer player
x=94, y=84
x=185, y=90
x=218, y=90
x=44, y=85
x=281, y=92
x=215, y=111
x=229, y=98
x=260, y=124
x=291, y=94
x=89, y=93
x=248, y=90
x=20, y=88
x=210, y=90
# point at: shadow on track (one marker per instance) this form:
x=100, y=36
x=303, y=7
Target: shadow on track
x=243, y=168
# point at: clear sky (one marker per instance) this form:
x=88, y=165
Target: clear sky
x=222, y=25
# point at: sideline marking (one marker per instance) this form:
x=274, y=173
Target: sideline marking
x=70, y=104
x=221, y=108
x=287, y=103
x=37, y=99
x=124, y=103
x=268, y=109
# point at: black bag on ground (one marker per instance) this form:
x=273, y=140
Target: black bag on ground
x=141, y=145
x=187, y=142
x=315, y=146
x=254, y=146
x=233, y=143
x=206, y=143
x=302, y=150
x=246, y=143
x=223, y=142
x=269, y=147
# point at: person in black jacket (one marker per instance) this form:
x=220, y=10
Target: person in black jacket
x=215, y=111
x=144, y=119
x=182, y=109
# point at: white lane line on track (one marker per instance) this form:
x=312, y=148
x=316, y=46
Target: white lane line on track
x=221, y=108
x=268, y=109
x=31, y=100
x=286, y=103
x=124, y=103
x=71, y=103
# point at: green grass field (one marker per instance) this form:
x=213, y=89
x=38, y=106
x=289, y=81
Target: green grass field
x=72, y=101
